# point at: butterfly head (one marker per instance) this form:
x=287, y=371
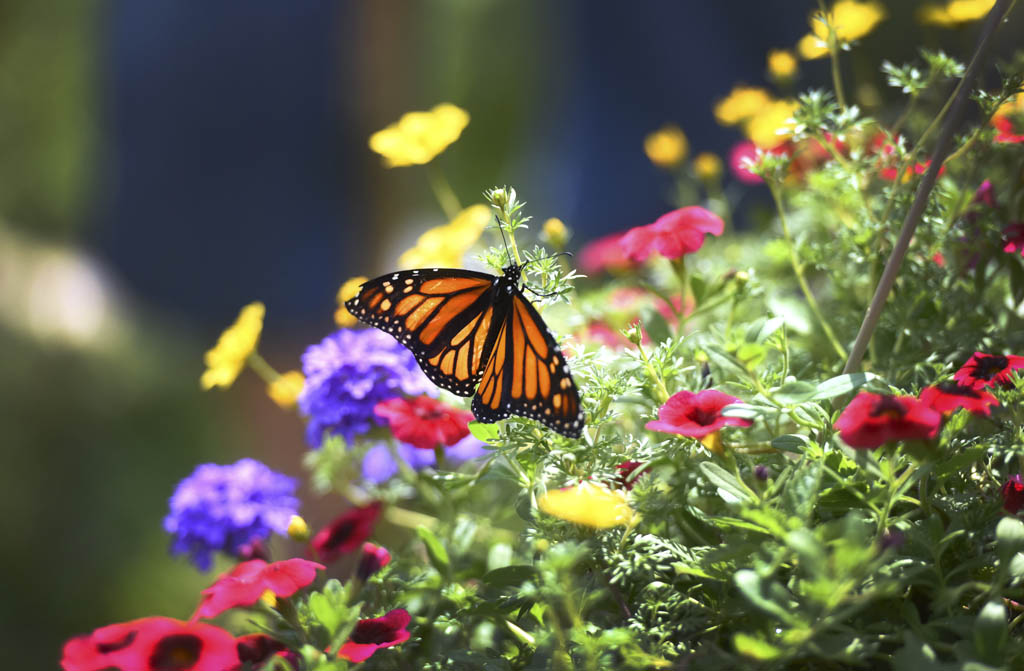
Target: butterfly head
x=512, y=274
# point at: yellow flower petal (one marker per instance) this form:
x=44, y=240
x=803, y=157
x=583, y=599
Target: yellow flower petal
x=955, y=12
x=418, y=137
x=769, y=127
x=286, y=388
x=225, y=361
x=444, y=246
x=810, y=47
x=588, y=504
x=713, y=441
x=666, y=147
x=741, y=104
x=851, y=21
x=342, y=317
x=782, y=64
x=707, y=166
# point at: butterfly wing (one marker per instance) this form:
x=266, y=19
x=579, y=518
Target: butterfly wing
x=526, y=373
x=443, y=316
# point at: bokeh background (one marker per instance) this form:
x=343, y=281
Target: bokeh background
x=163, y=162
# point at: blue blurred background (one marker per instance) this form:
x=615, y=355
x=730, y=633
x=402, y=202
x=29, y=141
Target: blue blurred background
x=164, y=162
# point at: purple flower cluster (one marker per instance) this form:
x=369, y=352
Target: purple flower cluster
x=347, y=374
x=379, y=465
x=227, y=507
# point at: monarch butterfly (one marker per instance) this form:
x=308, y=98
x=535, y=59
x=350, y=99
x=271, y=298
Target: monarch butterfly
x=474, y=333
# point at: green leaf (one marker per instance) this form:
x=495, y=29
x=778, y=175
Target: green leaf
x=509, y=576
x=755, y=648
x=435, y=550
x=795, y=391
x=958, y=462
x=752, y=587
x=842, y=384
x=725, y=481
x=1009, y=538
x=991, y=632
x=329, y=606
x=791, y=442
x=488, y=433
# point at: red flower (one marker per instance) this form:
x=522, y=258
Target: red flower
x=246, y=583
x=373, y=559
x=424, y=422
x=740, y=156
x=605, y=253
x=152, y=644
x=988, y=370
x=917, y=169
x=1013, y=494
x=373, y=634
x=695, y=415
x=946, y=397
x=258, y=648
x=673, y=234
x=871, y=420
x=346, y=532
x=1014, y=237
x=625, y=477
x=1006, y=131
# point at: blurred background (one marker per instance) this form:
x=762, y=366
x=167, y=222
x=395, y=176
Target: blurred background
x=162, y=163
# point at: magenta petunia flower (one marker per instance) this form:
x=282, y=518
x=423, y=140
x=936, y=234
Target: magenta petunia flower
x=152, y=643
x=247, y=582
x=946, y=397
x=625, y=476
x=740, y=157
x=1013, y=236
x=371, y=635
x=871, y=420
x=988, y=370
x=1013, y=494
x=373, y=559
x=696, y=414
x=605, y=253
x=673, y=234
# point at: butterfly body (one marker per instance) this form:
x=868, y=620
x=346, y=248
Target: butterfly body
x=475, y=334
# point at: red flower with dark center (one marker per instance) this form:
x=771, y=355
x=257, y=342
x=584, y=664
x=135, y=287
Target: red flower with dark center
x=375, y=633
x=1013, y=235
x=605, y=253
x=258, y=648
x=152, y=644
x=1006, y=129
x=424, y=422
x=871, y=420
x=246, y=583
x=373, y=559
x=1013, y=494
x=345, y=533
x=946, y=397
x=988, y=370
x=625, y=477
x=673, y=234
x=695, y=415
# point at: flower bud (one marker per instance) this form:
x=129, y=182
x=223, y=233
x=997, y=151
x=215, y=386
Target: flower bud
x=555, y=232
x=707, y=167
x=298, y=530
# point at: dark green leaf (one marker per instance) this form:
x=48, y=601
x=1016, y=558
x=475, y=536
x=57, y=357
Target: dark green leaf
x=435, y=550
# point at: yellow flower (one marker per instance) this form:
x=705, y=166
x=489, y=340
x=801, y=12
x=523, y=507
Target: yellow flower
x=741, y=104
x=298, y=530
x=444, y=246
x=782, y=64
x=555, y=232
x=707, y=166
x=224, y=362
x=955, y=12
x=342, y=317
x=286, y=388
x=589, y=504
x=769, y=127
x=1014, y=106
x=667, y=146
x=418, y=137
x=851, y=21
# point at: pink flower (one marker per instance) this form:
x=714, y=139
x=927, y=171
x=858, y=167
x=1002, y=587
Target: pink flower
x=246, y=583
x=346, y=532
x=373, y=559
x=739, y=156
x=1014, y=237
x=673, y=234
x=424, y=422
x=695, y=415
x=376, y=633
x=605, y=253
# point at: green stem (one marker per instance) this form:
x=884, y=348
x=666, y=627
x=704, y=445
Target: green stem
x=260, y=366
x=798, y=270
x=833, y=52
x=658, y=382
x=446, y=197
